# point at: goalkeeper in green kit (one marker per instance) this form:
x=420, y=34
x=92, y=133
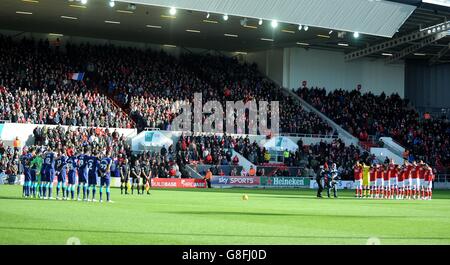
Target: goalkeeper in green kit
x=36, y=165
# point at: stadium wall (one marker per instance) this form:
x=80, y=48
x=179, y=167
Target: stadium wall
x=427, y=87
x=269, y=62
x=328, y=69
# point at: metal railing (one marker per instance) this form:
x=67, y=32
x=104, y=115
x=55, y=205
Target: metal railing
x=191, y=133
x=309, y=135
x=442, y=178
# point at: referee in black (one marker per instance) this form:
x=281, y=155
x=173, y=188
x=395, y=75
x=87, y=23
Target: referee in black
x=135, y=176
x=319, y=178
x=124, y=176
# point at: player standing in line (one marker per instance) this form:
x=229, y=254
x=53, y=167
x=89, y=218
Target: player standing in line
x=26, y=162
x=36, y=168
x=49, y=173
x=373, y=177
x=145, y=175
x=61, y=171
x=393, y=177
x=124, y=176
x=400, y=182
x=408, y=180
x=366, y=180
x=105, y=175
x=386, y=182
x=357, y=174
x=421, y=180
x=135, y=176
x=429, y=177
x=33, y=174
x=379, y=176
x=115, y=167
x=414, y=179
x=71, y=176
x=82, y=174
x=92, y=165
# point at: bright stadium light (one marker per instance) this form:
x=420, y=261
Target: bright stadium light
x=172, y=11
x=208, y=15
x=225, y=17
x=260, y=22
x=84, y=2
x=356, y=35
x=112, y=3
x=300, y=27
x=274, y=23
x=306, y=28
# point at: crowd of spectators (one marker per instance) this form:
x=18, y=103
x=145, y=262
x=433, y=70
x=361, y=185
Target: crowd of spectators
x=75, y=140
x=366, y=114
x=148, y=83
x=36, y=87
x=162, y=164
x=345, y=157
x=144, y=82
x=9, y=160
x=217, y=150
x=64, y=108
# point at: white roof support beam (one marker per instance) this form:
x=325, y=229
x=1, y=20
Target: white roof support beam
x=438, y=56
x=425, y=42
x=417, y=35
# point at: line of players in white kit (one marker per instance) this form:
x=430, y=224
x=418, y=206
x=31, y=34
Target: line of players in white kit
x=85, y=170
x=409, y=181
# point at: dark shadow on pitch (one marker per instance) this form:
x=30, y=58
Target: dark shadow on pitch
x=218, y=213
x=216, y=235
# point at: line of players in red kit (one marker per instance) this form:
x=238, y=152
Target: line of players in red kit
x=391, y=181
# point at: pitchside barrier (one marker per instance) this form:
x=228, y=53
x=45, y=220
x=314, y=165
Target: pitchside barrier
x=179, y=183
x=227, y=182
x=259, y=182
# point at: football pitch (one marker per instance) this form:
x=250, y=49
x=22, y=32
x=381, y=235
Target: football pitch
x=221, y=217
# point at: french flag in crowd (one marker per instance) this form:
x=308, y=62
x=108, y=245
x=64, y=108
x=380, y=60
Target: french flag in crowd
x=76, y=76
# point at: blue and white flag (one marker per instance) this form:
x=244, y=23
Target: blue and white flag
x=76, y=76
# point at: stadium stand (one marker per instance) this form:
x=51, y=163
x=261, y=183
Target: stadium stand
x=147, y=83
x=36, y=88
x=366, y=115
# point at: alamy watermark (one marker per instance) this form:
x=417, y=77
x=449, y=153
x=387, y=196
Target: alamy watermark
x=236, y=118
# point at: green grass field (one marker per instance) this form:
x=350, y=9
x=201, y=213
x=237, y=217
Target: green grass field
x=222, y=217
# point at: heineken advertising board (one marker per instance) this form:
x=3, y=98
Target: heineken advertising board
x=285, y=182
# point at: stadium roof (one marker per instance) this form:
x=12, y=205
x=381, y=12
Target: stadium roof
x=378, y=18
x=154, y=24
